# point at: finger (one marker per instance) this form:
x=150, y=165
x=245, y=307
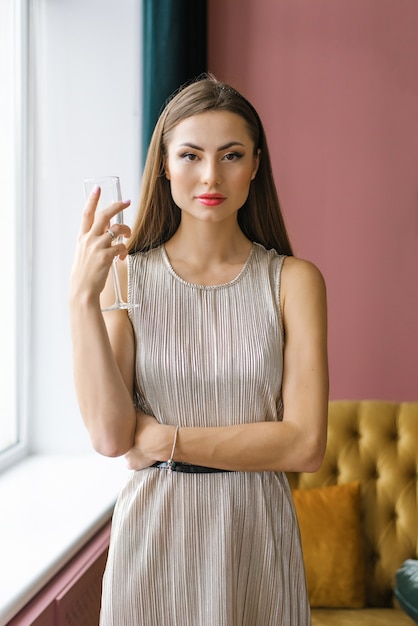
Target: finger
x=123, y=253
x=119, y=250
x=117, y=230
x=89, y=211
x=104, y=217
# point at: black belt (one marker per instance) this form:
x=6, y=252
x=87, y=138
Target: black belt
x=187, y=468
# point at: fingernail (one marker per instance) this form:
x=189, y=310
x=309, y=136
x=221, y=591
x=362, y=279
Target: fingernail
x=126, y=202
x=95, y=189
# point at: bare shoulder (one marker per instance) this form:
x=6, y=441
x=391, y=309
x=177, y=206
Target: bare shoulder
x=300, y=274
x=302, y=293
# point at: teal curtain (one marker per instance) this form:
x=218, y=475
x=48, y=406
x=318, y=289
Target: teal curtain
x=174, y=52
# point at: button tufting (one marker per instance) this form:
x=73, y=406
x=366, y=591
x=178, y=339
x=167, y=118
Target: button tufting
x=375, y=474
x=374, y=557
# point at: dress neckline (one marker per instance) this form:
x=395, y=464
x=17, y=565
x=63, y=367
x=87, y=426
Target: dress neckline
x=229, y=283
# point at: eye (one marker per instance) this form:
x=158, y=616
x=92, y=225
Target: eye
x=232, y=156
x=188, y=156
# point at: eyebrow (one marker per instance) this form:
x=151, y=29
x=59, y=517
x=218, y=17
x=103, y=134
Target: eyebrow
x=224, y=147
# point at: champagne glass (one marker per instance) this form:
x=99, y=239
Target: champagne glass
x=109, y=193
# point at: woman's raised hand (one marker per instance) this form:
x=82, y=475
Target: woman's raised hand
x=95, y=250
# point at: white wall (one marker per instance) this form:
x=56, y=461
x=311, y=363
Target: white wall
x=87, y=124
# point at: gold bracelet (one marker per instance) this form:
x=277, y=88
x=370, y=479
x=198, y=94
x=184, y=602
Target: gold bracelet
x=170, y=463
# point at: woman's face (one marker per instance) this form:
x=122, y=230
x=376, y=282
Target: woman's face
x=210, y=165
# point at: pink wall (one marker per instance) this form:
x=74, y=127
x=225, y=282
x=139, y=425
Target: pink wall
x=336, y=84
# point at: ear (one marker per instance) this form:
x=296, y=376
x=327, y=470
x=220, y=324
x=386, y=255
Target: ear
x=256, y=163
x=166, y=170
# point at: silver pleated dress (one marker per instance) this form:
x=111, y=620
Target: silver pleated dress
x=220, y=549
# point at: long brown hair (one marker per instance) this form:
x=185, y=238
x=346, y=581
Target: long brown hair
x=158, y=217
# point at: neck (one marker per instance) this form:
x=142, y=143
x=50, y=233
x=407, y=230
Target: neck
x=204, y=243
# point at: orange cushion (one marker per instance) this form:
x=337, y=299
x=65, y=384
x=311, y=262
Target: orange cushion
x=329, y=520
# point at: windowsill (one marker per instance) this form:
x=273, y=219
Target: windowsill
x=51, y=505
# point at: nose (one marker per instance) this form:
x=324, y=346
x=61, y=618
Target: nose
x=211, y=173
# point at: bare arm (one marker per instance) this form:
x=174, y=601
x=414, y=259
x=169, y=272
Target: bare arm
x=103, y=351
x=295, y=444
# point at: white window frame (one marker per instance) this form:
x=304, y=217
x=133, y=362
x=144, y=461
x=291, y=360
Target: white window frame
x=54, y=157
x=23, y=231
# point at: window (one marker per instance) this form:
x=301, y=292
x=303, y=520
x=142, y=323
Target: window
x=14, y=241
x=56, y=101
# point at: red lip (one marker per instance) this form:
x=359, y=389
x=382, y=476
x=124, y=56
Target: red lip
x=211, y=199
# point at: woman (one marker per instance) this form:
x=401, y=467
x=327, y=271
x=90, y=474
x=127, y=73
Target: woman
x=218, y=375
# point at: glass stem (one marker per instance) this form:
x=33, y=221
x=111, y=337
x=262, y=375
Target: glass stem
x=116, y=283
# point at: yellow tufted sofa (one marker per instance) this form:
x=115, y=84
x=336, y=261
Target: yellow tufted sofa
x=376, y=443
